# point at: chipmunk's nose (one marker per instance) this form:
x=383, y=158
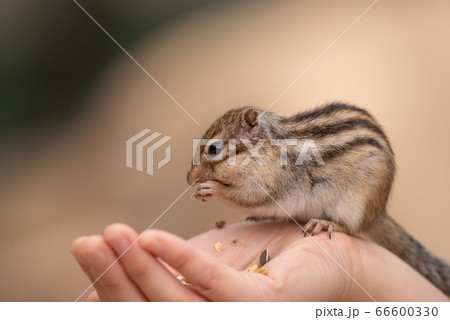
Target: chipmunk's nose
x=195, y=175
x=190, y=178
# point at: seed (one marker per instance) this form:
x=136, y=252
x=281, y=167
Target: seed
x=219, y=246
x=183, y=280
x=220, y=223
x=264, y=257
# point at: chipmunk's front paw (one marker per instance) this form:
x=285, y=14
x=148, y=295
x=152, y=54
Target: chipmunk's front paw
x=314, y=226
x=205, y=191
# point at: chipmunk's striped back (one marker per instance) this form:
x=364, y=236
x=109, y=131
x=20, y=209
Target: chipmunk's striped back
x=339, y=128
x=357, y=155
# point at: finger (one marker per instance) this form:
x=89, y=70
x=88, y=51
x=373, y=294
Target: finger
x=93, y=297
x=95, y=257
x=155, y=281
x=207, y=275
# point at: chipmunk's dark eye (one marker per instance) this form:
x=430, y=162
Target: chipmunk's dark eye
x=215, y=148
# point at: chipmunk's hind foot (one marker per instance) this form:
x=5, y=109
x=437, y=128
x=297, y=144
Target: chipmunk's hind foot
x=314, y=226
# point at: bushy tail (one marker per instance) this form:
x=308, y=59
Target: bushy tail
x=387, y=233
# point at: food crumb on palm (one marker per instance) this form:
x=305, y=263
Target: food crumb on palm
x=255, y=268
x=218, y=246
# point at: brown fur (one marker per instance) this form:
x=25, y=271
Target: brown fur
x=351, y=189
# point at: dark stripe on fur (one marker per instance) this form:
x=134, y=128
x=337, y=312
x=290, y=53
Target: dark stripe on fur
x=332, y=152
x=326, y=111
x=339, y=127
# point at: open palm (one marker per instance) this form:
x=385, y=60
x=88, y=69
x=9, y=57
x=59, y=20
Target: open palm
x=300, y=268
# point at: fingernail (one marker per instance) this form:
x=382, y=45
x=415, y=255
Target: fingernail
x=153, y=245
x=90, y=258
x=157, y=246
x=118, y=242
x=96, y=259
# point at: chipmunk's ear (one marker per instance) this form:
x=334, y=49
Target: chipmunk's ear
x=250, y=123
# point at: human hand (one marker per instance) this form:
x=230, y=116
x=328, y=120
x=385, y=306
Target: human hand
x=300, y=269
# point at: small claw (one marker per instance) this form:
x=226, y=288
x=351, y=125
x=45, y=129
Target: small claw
x=330, y=229
x=310, y=225
x=317, y=228
x=319, y=225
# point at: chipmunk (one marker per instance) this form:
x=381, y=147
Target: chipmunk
x=340, y=181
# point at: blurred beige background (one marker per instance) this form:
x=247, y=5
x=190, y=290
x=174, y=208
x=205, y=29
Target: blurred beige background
x=395, y=62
